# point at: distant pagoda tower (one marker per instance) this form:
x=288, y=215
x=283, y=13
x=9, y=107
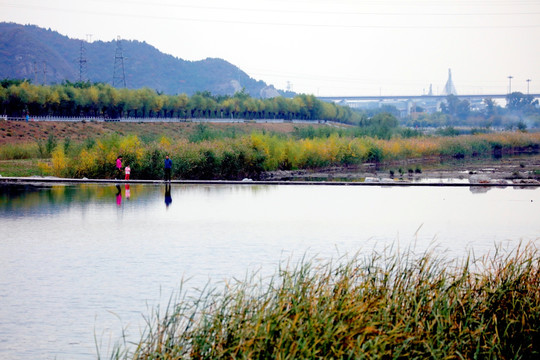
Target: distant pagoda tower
x=449, y=88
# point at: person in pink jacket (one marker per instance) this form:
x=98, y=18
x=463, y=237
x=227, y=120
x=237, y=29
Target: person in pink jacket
x=118, y=167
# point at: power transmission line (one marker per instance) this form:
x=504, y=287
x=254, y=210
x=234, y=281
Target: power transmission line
x=309, y=10
x=294, y=24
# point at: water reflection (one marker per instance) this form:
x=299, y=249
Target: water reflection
x=479, y=189
x=40, y=198
x=118, y=195
x=168, y=197
x=72, y=261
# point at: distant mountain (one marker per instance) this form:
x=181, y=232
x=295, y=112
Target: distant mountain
x=45, y=56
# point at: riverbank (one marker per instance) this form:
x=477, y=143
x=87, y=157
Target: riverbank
x=523, y=170
x=253, y=151
x=519, y=169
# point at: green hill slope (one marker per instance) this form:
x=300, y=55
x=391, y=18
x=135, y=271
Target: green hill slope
x=47, y=57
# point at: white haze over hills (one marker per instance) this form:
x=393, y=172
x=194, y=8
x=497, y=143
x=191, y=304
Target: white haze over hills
x=323, y=47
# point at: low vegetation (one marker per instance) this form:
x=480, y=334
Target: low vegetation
x=206, y=153
x=400, y=306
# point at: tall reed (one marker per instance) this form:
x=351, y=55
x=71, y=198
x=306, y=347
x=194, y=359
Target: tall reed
x=382, y=306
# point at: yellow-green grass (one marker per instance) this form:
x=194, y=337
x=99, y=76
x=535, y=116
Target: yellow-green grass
x=208, y=156
x=20, y=167
x=400, y=306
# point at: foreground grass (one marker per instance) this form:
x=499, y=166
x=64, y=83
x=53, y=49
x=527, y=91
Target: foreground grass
x=400, y=306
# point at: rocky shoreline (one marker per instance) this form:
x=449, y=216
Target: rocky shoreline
x=524, y=169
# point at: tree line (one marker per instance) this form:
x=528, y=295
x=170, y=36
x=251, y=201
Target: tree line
x=18, y=98
x=520, y=112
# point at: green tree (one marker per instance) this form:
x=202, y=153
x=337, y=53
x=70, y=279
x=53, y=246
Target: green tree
x=381, y=125
x=491, y=107
x=519, y=102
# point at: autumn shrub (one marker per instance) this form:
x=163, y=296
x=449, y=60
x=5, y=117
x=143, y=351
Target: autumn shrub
x=480, y=146
x=58, y=166
x=184, y=162
x=51, y=144
x=151, y=164
x=231, y=166
x=313, y=154
x=46, y=148
x=466, y=145
x=264, y=145
x=405, y=148
x=254, y=162
x=131, y=149
x=60, y=163
x=457, y=147
x=374, y=151
x=290, y=156
x=240, y=160
x=209, y=165
x=512, y=140
x=230, y=159
x=333, y=149
x=86, y=164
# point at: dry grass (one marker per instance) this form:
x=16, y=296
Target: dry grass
x=17, y=132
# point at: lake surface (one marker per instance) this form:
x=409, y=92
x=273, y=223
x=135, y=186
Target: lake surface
x=83, y=262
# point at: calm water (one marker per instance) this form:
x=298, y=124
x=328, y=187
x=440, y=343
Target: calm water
x=83, y=262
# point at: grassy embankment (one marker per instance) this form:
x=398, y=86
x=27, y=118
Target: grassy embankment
x=388, y=306
x=226, y=151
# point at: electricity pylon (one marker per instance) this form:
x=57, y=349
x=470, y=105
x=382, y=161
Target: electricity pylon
x=119, y=75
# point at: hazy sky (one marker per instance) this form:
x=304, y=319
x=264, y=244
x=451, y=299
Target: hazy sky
x=323, y=47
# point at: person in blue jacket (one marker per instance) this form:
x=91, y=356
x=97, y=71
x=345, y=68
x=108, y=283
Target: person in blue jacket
x=168, y=166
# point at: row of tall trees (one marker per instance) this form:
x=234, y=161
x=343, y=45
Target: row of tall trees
x=102, y=100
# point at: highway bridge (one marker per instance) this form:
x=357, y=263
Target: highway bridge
x=415, y=97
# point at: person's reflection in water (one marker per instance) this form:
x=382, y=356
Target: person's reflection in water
x=168, y=198
x=127, y=192
x=118, y=195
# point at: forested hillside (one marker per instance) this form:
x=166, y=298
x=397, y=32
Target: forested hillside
x=47, y=57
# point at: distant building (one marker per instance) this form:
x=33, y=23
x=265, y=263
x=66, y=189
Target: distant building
x=409, y=107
